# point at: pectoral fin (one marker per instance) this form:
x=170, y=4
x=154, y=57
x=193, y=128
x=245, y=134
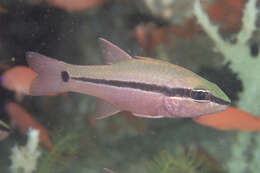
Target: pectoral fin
x=112, y=53
x=104, y=109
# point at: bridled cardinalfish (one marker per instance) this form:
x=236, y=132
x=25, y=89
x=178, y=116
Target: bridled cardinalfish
x=146, y=87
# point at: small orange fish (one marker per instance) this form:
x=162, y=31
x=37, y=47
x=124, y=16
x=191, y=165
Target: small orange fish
x=231, y=119
x=23, y=121
x=74, y=5
x=18, y=79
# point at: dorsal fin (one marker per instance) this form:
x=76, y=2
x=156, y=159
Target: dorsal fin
x=112, y=53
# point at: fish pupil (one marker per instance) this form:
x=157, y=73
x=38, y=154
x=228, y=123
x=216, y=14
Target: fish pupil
x=199, y=95
x=65, y=76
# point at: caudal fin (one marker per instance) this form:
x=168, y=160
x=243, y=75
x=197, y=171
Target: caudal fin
x=52, y=74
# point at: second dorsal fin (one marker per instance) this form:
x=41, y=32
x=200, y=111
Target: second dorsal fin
x=112, y=53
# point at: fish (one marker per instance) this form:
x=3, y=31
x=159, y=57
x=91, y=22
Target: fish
x=144, y=86
x=23, y=120
x=4, y=130
x=18, y=79
x=231, y=119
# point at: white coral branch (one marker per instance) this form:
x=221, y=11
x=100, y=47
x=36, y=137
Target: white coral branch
x=248, y=22
x=25, y=158
x=204, y=21
x=239, y=51
x=246, y=65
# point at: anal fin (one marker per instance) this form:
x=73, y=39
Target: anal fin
x=105, y=109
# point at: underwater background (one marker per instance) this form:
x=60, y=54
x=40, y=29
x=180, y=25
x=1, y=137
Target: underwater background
x=217, y=39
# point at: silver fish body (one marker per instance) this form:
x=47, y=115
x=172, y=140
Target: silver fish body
x=144, y=86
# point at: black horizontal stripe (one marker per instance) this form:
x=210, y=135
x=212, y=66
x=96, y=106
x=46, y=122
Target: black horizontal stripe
x=171, y=92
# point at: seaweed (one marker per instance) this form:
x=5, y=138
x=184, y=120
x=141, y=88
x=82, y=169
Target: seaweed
x=60, y=158
x=165, y=162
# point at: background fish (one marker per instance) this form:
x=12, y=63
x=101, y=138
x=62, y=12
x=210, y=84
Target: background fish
x=144, y=86
x=231, y=119
x=23, y=120
x=18, y=79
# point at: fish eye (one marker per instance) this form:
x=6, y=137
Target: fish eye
x=199, y=95
x=65, y=76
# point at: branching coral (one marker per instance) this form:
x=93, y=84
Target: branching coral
x=245, y=61
x=24, y=159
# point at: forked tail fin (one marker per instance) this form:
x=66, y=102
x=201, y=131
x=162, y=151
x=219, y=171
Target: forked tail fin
x=52, y=74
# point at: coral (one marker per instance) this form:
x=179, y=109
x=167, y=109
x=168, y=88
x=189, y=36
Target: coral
x=175, y=12
x=183, y=163
x=24, y=158
x=238, y=162
x=227, y=13
x=245, y=61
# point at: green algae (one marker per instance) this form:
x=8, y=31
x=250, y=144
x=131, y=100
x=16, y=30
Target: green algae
x=65, y=147
x=165, y=162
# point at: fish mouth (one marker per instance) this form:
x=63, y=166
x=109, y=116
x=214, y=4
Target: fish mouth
x=220, y=101
x=224, y=107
